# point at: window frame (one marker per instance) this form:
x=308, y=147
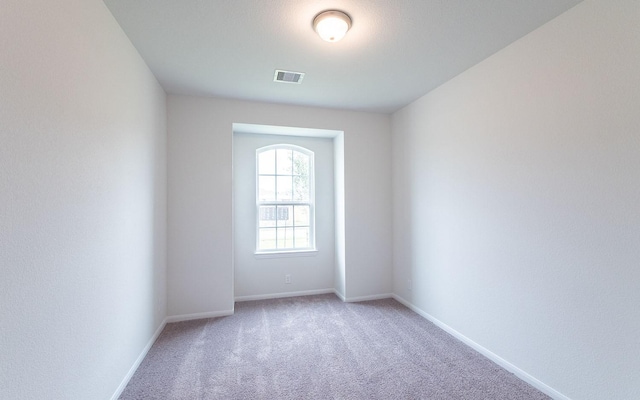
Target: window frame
x=302, y=251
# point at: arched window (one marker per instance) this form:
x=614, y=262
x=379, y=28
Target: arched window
x=284, y=199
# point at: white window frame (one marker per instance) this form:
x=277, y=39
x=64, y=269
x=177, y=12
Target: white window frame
x=311, y=203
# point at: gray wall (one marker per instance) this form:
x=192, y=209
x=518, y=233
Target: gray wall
x=516, y=212
x=200, y=237
x=83, y=201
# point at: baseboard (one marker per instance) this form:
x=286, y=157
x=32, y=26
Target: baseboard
x=282, y=295
x=366, y=298
x=203, y=315
x=314, y=292
x=541, y=386
x=138, y=361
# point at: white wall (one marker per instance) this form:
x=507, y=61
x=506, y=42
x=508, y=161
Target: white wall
x=516, y=213
x=260, y=276
x=339, y=210
x=200, y=252
x=82, y=237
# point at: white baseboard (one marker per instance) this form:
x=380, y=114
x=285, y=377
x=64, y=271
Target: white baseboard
x=138, y=361
x=282, y=295
x=203, y=315
x=541, y=386
x=366, y=298
x=314, y=292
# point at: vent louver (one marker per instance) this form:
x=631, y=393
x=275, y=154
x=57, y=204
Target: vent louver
x=288, y=76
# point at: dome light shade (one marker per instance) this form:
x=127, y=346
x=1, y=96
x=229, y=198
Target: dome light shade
x=332, y=25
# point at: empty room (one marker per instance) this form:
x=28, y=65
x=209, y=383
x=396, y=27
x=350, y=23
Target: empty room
x=319, y=199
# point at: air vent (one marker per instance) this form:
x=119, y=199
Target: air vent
x=288, y=76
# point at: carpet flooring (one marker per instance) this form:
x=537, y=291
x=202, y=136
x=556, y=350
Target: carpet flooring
x=317, y=347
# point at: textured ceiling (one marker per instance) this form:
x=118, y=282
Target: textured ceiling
x=395, y=52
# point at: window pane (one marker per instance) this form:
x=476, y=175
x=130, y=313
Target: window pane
x=284, y=161
x=267, y=217
x=301, y=188
x=301, y=215
x=267, y=162
x=284, y=188
x=285, y=238
x=285, y=216
x=267, y=188
x=302, y=237
x=267, y=239
x=300, y=164
x=284, y=177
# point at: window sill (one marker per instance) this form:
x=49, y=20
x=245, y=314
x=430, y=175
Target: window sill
x=283, y=254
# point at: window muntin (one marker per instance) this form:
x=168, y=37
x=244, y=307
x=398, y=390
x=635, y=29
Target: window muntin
x=284, y=199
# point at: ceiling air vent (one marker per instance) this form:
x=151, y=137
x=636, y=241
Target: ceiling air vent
x=288, y=76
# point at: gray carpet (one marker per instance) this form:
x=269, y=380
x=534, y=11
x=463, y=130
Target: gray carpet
x=318, y=347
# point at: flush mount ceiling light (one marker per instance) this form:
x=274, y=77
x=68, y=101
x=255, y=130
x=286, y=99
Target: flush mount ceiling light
x=332, y=25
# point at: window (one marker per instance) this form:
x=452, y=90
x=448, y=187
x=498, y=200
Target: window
x=284, y=199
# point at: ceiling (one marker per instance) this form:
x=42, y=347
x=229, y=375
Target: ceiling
x=395, y=52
